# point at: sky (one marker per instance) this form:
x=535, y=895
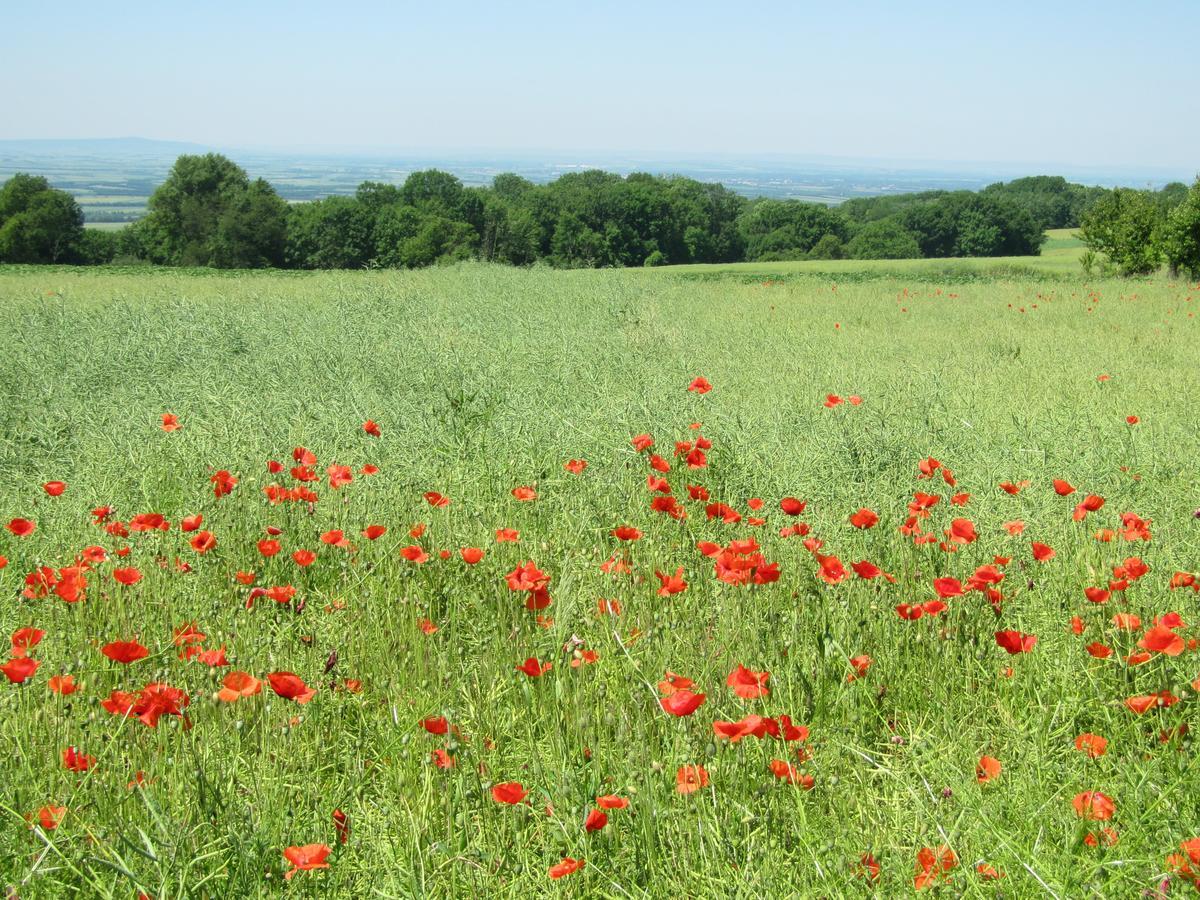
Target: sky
x=1057, y=81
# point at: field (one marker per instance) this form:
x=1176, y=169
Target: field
x=933, y=747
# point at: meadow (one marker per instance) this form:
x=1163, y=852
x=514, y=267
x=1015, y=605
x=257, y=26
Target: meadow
x=311, y=594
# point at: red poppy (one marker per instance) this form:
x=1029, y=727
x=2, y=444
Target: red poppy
x=933, y=866
x=791, y=506
x=50, y=817
x=987, y=769
x=470, y=555
x=21, y=527
x=306, y=858
x=290, y=686
x=371, y=428
x=1147, y=702
x=575, y=466
x=237, y=685
x=341, y=823
x=507, y=535
x=54, y=488
x=1042, y=552
x=568, y=866
x=627, y=533
x=612, y=801
x=1161, y=639
x=1093, y=745
x=170, y=422
x=1063, y=488
x=124, y=651
x=374, y=532
x=1094, y=805
x=1016, y=641
x=671, y=584
x=682, y=702
x=75, y=761
x=414, y=554
x=304, y=558
x=509, y=792
x=204, y=541
x=689, y=779
x=948, y=587
x=700, y=385
x=19, y=669
x=864, y=518
x=127, y=576
x=63, y=684
x=524, y=493
x=433, y=498
x=533, y=668
x=748, y=684
x=595, y=821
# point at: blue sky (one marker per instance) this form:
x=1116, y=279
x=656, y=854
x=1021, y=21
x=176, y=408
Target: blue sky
x=1099, y=83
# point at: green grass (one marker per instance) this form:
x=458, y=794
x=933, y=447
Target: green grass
x=484, y=379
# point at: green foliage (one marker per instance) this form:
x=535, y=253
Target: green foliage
x=334, y=233
x=38, y=224
x=208, y=213
x=884, y=239
x=1124, y=225
x=1181, y=235
x=1053, y=201
x=783, y=229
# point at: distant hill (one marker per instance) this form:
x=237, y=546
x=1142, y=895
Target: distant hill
x=125, y=146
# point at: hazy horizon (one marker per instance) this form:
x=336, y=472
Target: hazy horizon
x=1073, y=85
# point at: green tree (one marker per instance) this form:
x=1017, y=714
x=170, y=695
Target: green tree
x=334, y=233
x=208, y=213
x=1181, y=235
x=38, y=224
x=884, y=239
x=1124, y=226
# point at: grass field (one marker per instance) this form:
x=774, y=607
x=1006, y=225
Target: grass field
x=485, y=380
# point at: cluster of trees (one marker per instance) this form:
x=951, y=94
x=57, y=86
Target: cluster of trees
x=209, y=212
x=1134, y=232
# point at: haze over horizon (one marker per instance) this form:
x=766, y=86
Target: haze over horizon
x=1073, y=85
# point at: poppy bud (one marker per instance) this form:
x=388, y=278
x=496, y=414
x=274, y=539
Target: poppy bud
x=331, y=662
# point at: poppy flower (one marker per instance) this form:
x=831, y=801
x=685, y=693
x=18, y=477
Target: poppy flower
x=1094, y=805
x=507, y=535
x=626, y=533
x=20, y=669
x=203, y=541
x=933, y=866
x=671, y=584
x=789, y=774
x=860, y=665
x=1093, y=745
x=21, y=527
x=1015, y=641
x=341, y=824
x=306, y=858
x=1161, y=639
x=75, y=761
x=1132, y=420
x=700, y=385
x=612, y=801
x=414, y=554
x=237, y=685
x=689, y=779
x=962, y=531
x=1096, y=595
x=54, y=488
x=442, y=759
x=290, y=686
x=748, y=684
x=50, y=817
x=170, y=422
x=124, y=652
x=682, y=702
x=63, y=684
x=371, y=428
x=1042, y=552
x=1063, y=488
x=436, y=500
x=948, y=587
x=791, y=506
x=509, y=792
x=595, y=821
x=987, y=769
x=567, y=866
x=575, y=466
x=127, y=576
x=374, y=532
x=1147, y=702
x=533, y=668
x=864, y=518
x=524, y=493
x=304, y=558
x=471, y=555
x=25, y=639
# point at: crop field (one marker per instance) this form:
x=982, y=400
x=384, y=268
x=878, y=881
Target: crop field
x=796, y=580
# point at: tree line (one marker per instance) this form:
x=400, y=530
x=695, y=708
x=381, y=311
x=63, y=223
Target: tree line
x=209, y=212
